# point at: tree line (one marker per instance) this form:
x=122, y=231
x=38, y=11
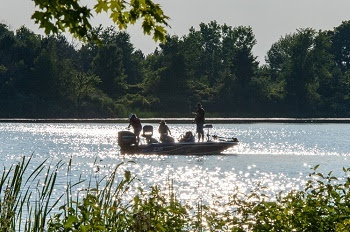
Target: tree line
x=306, y=74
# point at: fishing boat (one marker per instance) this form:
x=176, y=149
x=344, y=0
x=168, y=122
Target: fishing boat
x=185, y=146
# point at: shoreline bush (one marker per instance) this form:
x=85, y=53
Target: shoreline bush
x=27, y=204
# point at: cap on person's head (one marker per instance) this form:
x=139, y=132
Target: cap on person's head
x=162, y=121
x=199, y=104
x=131, y=115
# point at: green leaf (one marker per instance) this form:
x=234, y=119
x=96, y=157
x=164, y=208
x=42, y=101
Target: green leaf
x=70, y=220
x=127, y=175
x=136, y=200
x=101, y=6
x=160, y=227
x=320, y=175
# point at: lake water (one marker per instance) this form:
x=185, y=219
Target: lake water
x=278, y=156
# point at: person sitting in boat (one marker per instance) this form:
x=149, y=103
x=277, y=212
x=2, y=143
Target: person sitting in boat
x=163, y=132
x=187, y=138
x=135, y=122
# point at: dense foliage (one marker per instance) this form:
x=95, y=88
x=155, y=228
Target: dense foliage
x=306, y=74
x=110, y=203
x=74, y=16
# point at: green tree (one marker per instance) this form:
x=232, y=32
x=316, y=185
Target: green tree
x=172, y=77
x=108, y=66
x=60, y=48
x=7, y=46
x=197, y=74
x=341, y=45
x=293, y=59
x=28, y=45
x=332, y=87
x=192, y=51
x=44, y=85
x=81, y=87
x=211, y=51
x=240, y=65
x=132, y=70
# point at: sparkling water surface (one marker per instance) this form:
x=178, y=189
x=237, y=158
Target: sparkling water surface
x=276, y=155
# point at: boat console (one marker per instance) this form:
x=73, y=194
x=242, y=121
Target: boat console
x=208, y=126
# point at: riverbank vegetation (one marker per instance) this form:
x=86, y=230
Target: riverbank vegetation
x=29, y=202
x=306, y=75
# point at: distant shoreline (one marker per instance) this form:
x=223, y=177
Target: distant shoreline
x=181, y=120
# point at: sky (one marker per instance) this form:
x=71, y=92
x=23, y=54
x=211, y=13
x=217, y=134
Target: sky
x=270, y=19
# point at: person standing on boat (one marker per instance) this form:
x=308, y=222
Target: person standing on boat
x=163, y=132
x=199, y=120
x=135, y=122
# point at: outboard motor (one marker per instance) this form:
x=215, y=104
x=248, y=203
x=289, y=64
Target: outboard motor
x=126, y=139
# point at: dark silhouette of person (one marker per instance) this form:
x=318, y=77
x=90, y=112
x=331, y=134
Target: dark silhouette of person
x=200, y=120
x=135, y=122
x=164, y=132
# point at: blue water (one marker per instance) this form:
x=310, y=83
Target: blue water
x=278, y=156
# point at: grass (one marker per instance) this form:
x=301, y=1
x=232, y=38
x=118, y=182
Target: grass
x=18, y=211
x=110, y=203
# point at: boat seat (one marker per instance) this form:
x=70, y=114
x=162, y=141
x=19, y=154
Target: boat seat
x=147, y=131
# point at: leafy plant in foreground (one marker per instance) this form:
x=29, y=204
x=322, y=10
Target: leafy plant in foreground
x=27, y=203
x=323, y=205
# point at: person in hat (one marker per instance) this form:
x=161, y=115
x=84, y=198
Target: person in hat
x=163, y=132
x=135, y=122
x=199, y=120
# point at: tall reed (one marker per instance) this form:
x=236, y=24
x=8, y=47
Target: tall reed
x=21, y=209
x=27, y=201
x=105, y=205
